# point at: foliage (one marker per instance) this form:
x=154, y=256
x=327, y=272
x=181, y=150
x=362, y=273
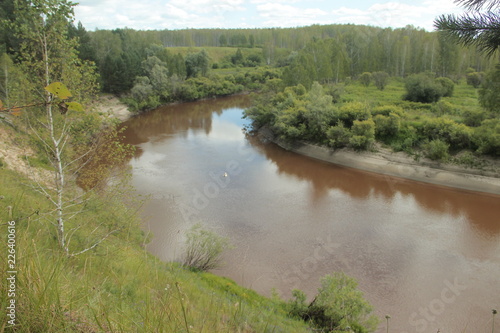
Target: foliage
x=474, y=79
x=474, y=118
x=487, y=137
x=365, y=78
x=488, y=93
x=352, y=111
x=203, y=248
x=447, y=130
x=380, y=79
x=478, y=29
x=423, y=88
x=197, y=64
x=338, y=306
x=437, y=150
x=443, y=107
x=338, y=136
x=448, y=86
x=387, y=126
x=12, y=81
x=363, y=134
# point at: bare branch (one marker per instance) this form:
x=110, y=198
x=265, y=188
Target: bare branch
x=95, y=244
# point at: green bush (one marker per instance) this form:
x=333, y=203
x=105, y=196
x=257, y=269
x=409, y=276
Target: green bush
x=365, y=79
x=380, y=79
x=437, y=150
x=363, y=134
x=474, y=118
x=487, y=137
x=297, y=307
x=387, y=126
x=474, y=79
x=338, y=136
x=448, y=86
x=203, y=249
x=349, y=112
x=489, y=96
x=387, y=109
x=453, y=133
x=339, y=305
x=423, y=88
x=406, y=139
x=443, y=107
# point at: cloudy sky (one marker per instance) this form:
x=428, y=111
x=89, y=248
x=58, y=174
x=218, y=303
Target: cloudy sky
x=180, y=14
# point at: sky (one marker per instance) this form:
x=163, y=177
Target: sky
x=181, y=14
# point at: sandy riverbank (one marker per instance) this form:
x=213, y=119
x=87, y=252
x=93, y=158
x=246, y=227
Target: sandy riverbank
x=399, y=164
x=111, y=106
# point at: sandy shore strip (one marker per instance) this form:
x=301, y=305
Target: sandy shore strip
x=111, y=106
x=400, y=165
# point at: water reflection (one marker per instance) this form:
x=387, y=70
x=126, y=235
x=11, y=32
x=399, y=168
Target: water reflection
x=178, y=119
x=482, y=211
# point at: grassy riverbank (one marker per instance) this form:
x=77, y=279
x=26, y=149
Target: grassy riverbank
x=453, y=134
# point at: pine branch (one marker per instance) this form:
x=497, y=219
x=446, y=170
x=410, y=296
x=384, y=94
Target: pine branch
x=478, y=4
x=481, y=30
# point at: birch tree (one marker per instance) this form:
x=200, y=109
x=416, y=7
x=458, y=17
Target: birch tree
x=58, y=124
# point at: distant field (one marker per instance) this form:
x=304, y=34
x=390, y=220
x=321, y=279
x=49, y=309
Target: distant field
x=216, y=53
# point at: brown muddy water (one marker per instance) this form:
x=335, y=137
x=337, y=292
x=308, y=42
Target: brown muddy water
x=429, y=256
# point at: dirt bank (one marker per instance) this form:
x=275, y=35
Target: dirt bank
x=384, y=161
x=111, y=106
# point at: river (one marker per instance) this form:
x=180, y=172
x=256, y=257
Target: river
x=429, y=256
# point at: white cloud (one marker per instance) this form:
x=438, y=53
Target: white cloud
x=396, y=14
x=274, y=1
x=209, y=6
x=278, y=15
x=178, y=14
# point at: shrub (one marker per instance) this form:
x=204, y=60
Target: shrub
x=474, y=118
x=338, y=136
x=363, y=134
x=352, y=111
x=297, y=307
x=474, y=79
x=437, y=150
x=387, y=110
x=380, y=79
x=487, y=137
x=203, y=248
x=455, y=134
x=489, y=98
x=447, y=85
x=365, y=79
x=339, y=305
x=423, y=88
x=443, y=107
x=387, y=126
x=406, y=139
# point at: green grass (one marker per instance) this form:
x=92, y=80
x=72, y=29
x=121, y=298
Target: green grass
x=216, y=54
x=118, y=287
x=464, y=99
